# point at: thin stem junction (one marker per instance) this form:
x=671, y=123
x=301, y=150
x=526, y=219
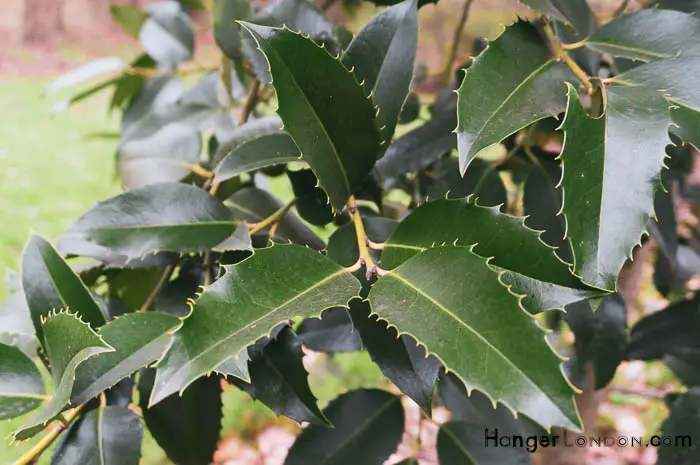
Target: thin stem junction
x=561, y=55
x=33, y=454
x=363, y=243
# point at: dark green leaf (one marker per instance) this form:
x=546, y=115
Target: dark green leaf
x=167, y=155
x=605, y=217
x=451, y=294
x=323, y=108
x=129, y=17
x=531, y=266
x=279, y=380
x=368, y=425
x=138, y=339
x=109, y=435
x=688, y=125
x=168, y=216
x=513, y=83
x=187, y=427
x=572, y=12
x=410, y=109
x=481, y=179
x=648, y=35
x=239, y=241
x=21, y=387
x=601, y=337
x=247, y=302
x=168, y=33
x=68, y=342
x=382, y=55
x=685, y=363
x=681, y=429
x=174, y=296
x=401, y=360
x=227, y=32
x=253, y=205
x=267, y=150
x=311, y=202
x=333, y=332
x=674, y=327
x=50, y=284
x=422, y=146
x=464, y=443
x=542, y=205
x=255, y=129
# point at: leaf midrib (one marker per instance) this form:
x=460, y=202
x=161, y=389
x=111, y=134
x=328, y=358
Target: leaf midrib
x=406, y=282
x=629, y=48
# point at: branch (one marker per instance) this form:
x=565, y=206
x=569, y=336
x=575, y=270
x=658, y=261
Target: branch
x=33, y=454
x=561, y=55
x=621, y=9
x=167, y=272
x=446, y=74
x=251, y=101
x=271, y=220
x=363, y=241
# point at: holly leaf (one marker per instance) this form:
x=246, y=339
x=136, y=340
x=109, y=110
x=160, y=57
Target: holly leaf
x=451, y=294
x=514, y=82
x=571, y=12
x=531, y=267
x=68, y=342
x=482, y=180
x=311, y=202
x=21, y=387
x=138, y=339
x=606, y=218
x=169, y=216
x=187, y=426
x=648, y=35
x=333, y=332
x=323, y=108
x=382, y=55
x=250, y=299
x=680, y=429
x=685, y=364
x=368, y=425
x=109, y=435
x=102, y=66
x=687, y=125
x=279, y=380
x=267, y=150
x=400, y=358
x=49, y=284
x=601, y=337
x=227, y=32
x=168, y=34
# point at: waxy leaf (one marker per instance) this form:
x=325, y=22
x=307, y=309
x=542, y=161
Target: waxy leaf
x=570, y=12
x=311, y=201
x=109, y=435
x=250, y=299
x=531, y=266
x=21, y=387
x=68, y=342
x=279, y=380
x=453, y=302
x=513, y=83
x=482, y=180
x=186, y=427
x=648, y=35
x=605, y=217
x=382, y=55
x=323, y=108
x=168, y=216
x=268, y=150
x=138, y=339
x=227, y=32
x=688, y=122
x=368, y=425
x=401, y=360
x=333, y=332
x=50, y=284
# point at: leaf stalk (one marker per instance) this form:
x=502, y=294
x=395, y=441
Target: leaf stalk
x=33, y=454
x=561, y=55
x=363, y=243
x=271, y=220
x=455, y=41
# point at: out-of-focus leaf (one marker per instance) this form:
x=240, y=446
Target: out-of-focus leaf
x=186, y=427
x=688, y=125
x=90, y=70
x=311, y=202
x=571, y=12
x=109, y=435
x=227, y=32
x=333, y=332
x=680, y=429
x=685, y=363
x=129, y=17
x=368, y=425
x=168, y=34
x=481, y=179
x=21, y=387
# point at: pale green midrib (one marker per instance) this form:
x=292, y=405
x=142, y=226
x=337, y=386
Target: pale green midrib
x=155, y=226
x=361, y=428
x=247, y=326
x=628, y=48
x=529, y=77
x=313, y=112
x=403, y=280
x=459, y=443
x=22, y=395
x=397, y=245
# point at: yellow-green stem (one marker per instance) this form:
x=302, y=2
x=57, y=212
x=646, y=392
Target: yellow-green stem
x=561, y=55
x=275, y=218
x=49, y=438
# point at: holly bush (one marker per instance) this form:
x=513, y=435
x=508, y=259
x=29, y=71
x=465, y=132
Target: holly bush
x=447, y=254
